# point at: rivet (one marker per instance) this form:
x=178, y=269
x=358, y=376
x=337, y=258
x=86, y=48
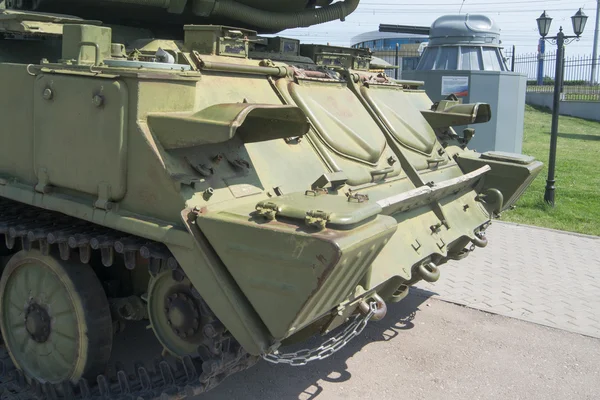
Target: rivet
x=98, y=100
x=48, y=94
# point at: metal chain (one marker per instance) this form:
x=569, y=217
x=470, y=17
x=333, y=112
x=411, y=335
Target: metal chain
x=328, y=348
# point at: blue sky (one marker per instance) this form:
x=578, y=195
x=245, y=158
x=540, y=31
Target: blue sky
x=515, y=17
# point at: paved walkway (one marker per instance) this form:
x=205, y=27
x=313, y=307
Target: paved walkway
x=538, y=275
x=427, y=349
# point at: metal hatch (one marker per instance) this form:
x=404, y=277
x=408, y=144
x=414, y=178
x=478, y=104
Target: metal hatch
x=402, y=118
x=346, y=126
x=343, y=132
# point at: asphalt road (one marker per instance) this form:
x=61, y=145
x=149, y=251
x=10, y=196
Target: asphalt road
x=429, y=349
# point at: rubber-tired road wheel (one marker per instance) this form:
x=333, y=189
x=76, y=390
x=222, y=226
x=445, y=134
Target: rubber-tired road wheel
x=55, y=318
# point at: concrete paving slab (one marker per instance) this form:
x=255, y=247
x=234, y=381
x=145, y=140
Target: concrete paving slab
x=540, y=275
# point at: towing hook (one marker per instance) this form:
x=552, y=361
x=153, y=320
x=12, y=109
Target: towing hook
x=429, y=272
x=480, y=240
x=381, y=307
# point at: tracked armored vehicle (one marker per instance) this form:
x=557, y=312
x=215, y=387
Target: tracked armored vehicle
x=230, y=192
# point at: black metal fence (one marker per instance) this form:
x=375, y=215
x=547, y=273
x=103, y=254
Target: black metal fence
x=577, y=81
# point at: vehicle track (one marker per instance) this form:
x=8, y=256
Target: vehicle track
x=169, y=377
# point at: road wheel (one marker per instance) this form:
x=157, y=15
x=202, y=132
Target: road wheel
x=55, y=319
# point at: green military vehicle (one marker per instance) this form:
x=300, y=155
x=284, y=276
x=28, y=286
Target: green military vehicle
x=233, y=193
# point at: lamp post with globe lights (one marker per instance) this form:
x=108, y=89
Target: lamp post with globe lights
x=543, y=22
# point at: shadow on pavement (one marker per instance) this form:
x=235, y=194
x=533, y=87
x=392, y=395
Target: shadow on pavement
x=267, y=381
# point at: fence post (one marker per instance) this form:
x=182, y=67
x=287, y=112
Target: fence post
x=397, y=61
x=562, y=78
x=595, y=49
x=540, y=71
x=512, y=66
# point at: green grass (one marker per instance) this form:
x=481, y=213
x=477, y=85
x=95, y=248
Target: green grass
x=577, y=206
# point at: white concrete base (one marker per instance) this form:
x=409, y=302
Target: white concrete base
x=580, y=109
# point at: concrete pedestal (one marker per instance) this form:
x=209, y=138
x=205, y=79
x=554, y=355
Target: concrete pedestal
x=503, y=91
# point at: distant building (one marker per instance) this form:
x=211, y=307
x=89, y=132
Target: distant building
x=383, y=45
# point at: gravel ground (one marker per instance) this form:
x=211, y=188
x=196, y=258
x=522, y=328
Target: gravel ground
x=429, y=349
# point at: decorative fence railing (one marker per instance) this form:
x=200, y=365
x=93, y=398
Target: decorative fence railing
x=577, y=81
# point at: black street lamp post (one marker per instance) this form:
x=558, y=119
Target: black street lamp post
x=544, y=21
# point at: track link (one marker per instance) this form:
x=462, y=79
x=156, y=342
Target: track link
x=169, y=377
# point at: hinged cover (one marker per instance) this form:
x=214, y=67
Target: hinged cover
x=337, y=57
x=284, y=45
x=218, y=40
